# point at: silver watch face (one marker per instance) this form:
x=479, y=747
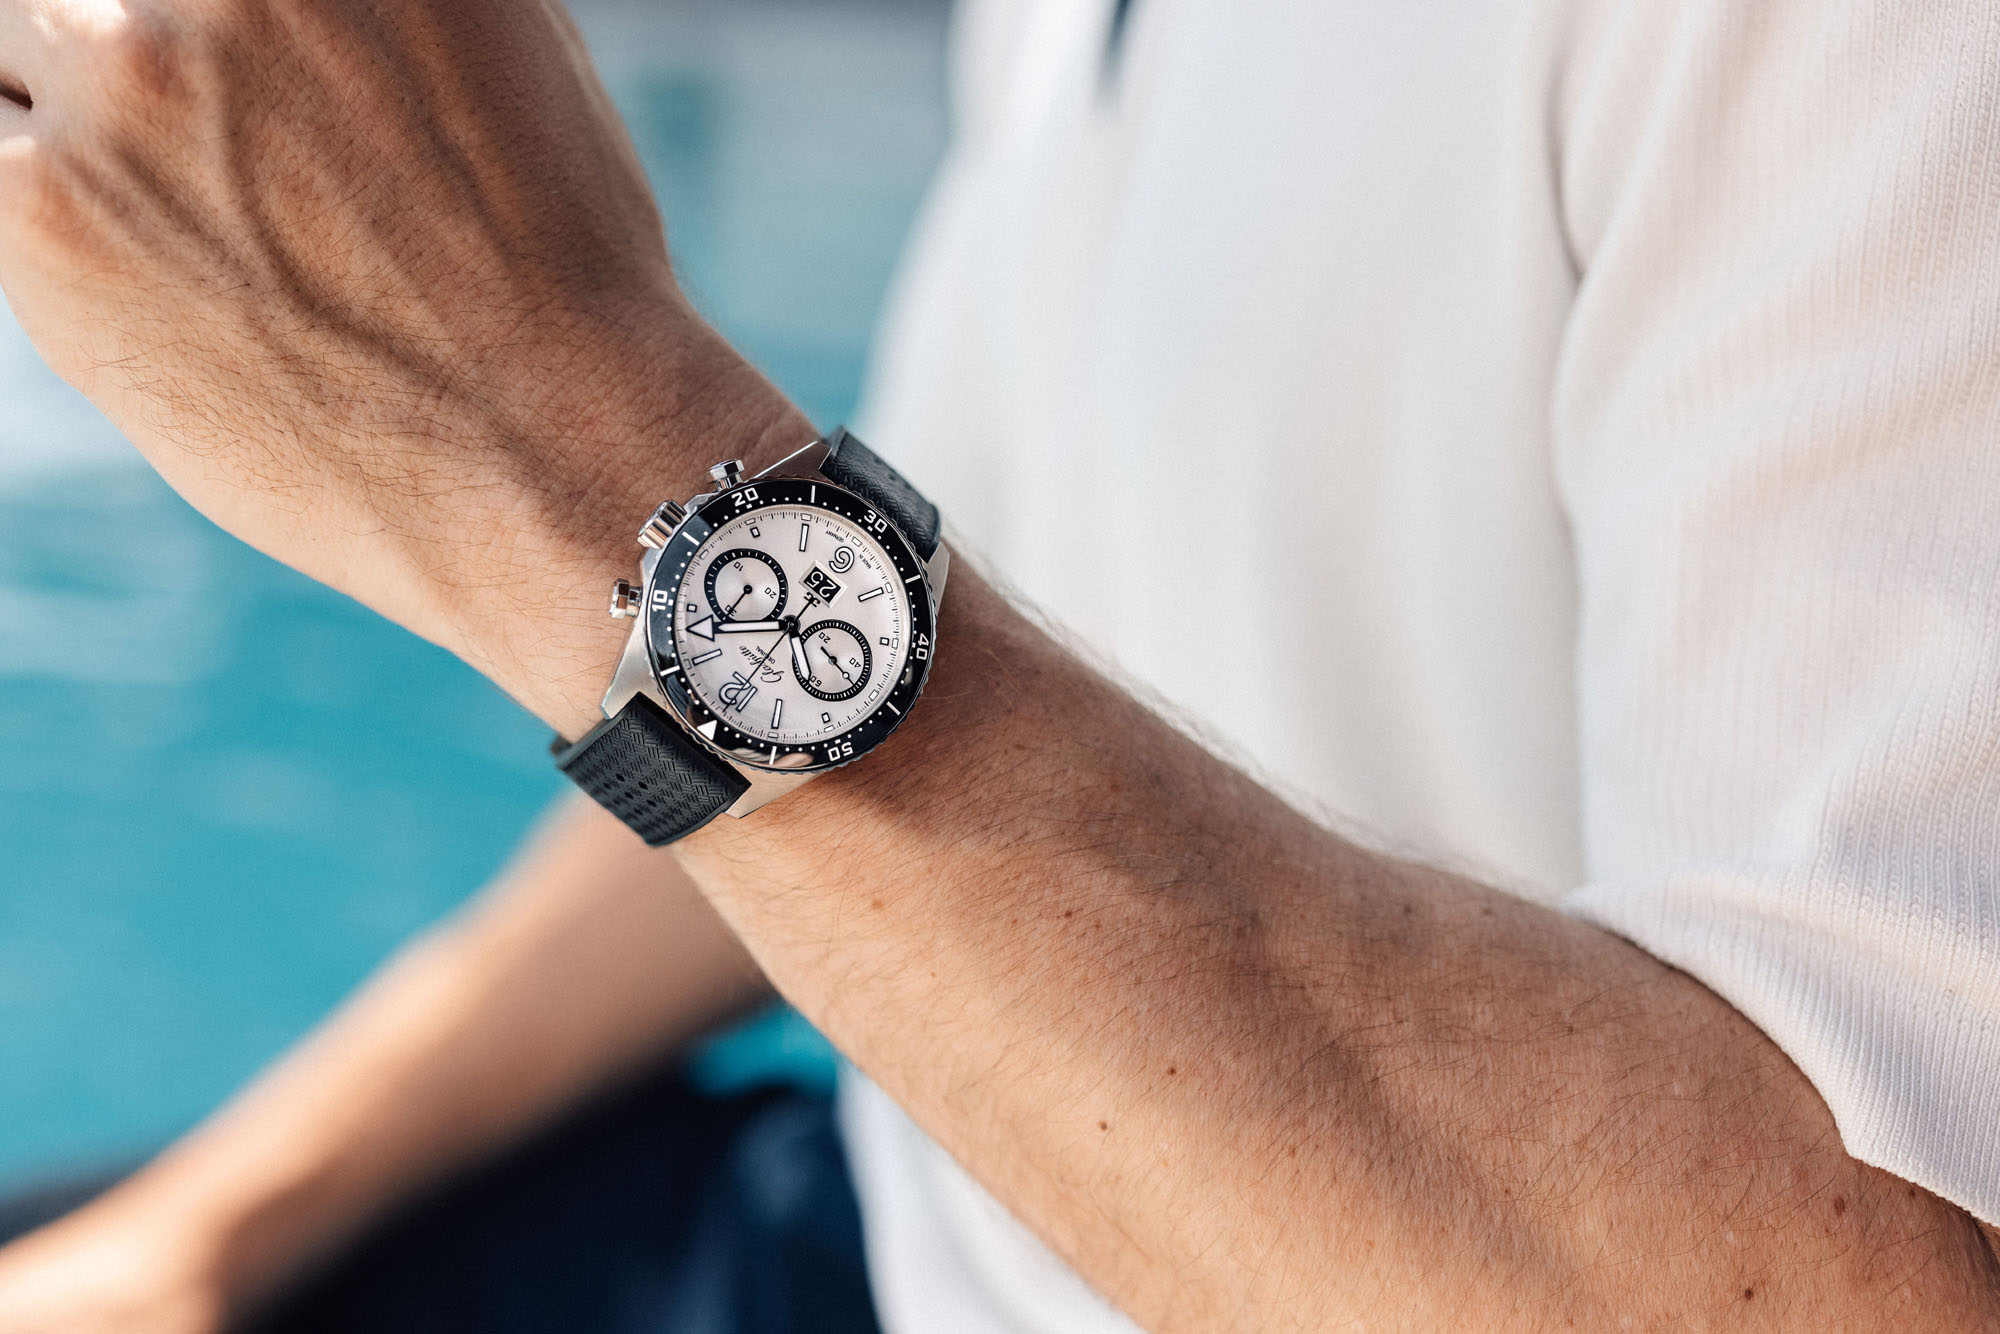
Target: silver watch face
x=791, y=624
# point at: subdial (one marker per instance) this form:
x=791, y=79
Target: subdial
x=746, y=585
x=833, y=660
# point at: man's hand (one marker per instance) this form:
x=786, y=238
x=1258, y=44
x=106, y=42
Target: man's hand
x=586, y=960
x=377, y=285
x=111, y=1269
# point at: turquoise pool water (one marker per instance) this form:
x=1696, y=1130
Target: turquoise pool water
x=225, y=792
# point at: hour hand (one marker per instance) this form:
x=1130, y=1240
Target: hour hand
x=746, y=627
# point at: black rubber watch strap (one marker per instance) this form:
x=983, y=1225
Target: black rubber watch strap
x=649, y=773
x=851, y=464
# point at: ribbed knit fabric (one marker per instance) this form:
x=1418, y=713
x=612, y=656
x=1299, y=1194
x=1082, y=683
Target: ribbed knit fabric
x=1777, y=433
x=1561, y=438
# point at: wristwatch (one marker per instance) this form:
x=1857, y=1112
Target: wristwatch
x=786, y=623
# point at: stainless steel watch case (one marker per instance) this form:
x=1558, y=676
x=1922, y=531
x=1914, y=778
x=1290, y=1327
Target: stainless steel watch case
x=635, y=674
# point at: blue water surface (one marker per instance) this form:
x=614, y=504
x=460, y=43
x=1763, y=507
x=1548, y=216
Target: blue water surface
x=225, y=792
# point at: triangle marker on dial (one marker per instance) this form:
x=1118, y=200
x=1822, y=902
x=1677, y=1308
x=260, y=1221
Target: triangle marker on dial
x=707, y=729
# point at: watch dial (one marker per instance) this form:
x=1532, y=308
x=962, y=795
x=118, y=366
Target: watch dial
x=792, y=625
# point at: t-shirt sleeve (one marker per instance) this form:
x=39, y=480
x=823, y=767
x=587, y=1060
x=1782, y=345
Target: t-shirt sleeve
x=1777, y=434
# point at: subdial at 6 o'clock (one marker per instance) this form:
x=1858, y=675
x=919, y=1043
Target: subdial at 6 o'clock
x=835, y=660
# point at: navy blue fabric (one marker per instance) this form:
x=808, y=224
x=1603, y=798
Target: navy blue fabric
x=28, y=1209
x=1115, y=42
x=659, y=1210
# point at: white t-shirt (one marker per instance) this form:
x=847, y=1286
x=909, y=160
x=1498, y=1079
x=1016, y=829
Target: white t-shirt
x=1557, y=437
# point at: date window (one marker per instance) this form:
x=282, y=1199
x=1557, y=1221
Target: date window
x=821, y=585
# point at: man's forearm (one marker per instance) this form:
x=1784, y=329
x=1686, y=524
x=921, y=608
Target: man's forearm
x=588, y=957
x=1247, y=1075
x=1244, y=1074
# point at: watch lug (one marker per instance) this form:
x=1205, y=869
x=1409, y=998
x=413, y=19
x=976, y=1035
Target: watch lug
x=766, y=786
x=634, y=675
x=936, y=569
x=799, y=463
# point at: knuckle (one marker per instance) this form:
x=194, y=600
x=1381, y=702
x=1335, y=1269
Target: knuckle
x=147, y=55
x=140, y=59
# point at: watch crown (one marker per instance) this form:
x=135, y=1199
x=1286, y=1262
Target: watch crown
x=727, y=473
x=661, y=526
x=624, y=601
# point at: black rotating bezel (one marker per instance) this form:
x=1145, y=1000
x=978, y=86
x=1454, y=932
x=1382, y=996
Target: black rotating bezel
x=669, y=576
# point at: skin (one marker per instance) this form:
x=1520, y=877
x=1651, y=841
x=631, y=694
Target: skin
x=1240, y=1072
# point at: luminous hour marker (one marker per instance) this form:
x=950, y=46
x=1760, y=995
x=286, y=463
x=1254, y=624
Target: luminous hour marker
x=805, y=532
x=913, y=578
x=755, y=531
x=777, y=711
x=893, y=709
x=709, y=656
x=885, y=641
x=871, y=593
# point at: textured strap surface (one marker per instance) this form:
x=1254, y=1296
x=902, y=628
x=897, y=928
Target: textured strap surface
x=851, y=464
x=645, y=770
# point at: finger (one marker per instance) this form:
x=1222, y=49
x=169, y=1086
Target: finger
x=23, y=52
x=17, y=146
x=22, y=42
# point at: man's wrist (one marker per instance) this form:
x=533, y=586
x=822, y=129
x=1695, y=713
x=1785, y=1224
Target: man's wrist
x=517, y=574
